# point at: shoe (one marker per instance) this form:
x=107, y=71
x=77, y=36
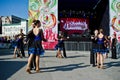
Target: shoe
x=31, y=69
x=93, y=65
x=98, y=66
x=14, y=57
x=102, y=67
x=20, y=56
x=65, y=56
x=28, y=71
x=24, y=56
x=37, y=71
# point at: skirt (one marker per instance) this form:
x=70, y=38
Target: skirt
x=36, y=51
x=100, y=49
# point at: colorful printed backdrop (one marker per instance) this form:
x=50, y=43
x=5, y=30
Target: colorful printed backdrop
x=115, y=18
x=46, y=12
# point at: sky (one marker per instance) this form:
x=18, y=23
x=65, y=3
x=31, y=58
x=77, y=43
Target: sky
x=17, y=8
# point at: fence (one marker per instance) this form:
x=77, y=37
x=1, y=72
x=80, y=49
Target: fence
x=79, y=46
x=5, y=45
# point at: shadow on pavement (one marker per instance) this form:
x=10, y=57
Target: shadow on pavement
x=8, y=68
x=6, y=52
x=69, y=67
x=76, y=56
x=68, y=56
x=6, y=58
x=113, y=64
x=47, y=56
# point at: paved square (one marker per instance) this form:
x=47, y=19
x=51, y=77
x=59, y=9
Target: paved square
x=75, y=67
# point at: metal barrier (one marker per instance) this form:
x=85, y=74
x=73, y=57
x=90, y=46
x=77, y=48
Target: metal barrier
x=5, y=45
x=78, y=46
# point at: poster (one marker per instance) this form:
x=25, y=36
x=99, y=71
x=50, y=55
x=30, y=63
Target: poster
x=6, y=20
x=46, y=11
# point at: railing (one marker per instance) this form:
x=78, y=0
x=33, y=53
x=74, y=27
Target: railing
x=5, y=45
x=79, y=46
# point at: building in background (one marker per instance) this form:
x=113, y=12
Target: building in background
x=0, y=25
x=11, y=25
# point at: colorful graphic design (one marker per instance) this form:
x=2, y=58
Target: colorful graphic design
x=46, y=12
x=115, y=17
x=115, y=7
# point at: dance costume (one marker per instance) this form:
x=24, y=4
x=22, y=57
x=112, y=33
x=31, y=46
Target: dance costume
x=35, y=43
x=100, y=48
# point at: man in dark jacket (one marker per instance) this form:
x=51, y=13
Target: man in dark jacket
x=93, y=55
x=21, y=42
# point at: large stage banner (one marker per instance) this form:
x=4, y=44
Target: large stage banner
x=46, y=11
x=114, y=8
x=74, y=25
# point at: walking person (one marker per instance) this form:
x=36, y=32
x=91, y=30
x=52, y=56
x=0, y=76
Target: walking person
x=35, y=37
x=93, y=54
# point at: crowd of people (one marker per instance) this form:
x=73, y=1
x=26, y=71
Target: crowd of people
x=5, y=39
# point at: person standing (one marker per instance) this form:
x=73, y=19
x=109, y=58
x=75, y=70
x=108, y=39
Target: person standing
x=94, y=47
x=101, y=49
x=113, y=47
x=64, y=51
x=33, y=63
x=59, y=47
x=107, y=45
x=21, y=42
x=16, y=47
x=63, y=44
x=35, y=37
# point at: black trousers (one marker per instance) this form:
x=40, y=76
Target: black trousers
x=22, y=49
x=114, y=54
x=64, y=51
x=93, y=56
x=33, y=62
